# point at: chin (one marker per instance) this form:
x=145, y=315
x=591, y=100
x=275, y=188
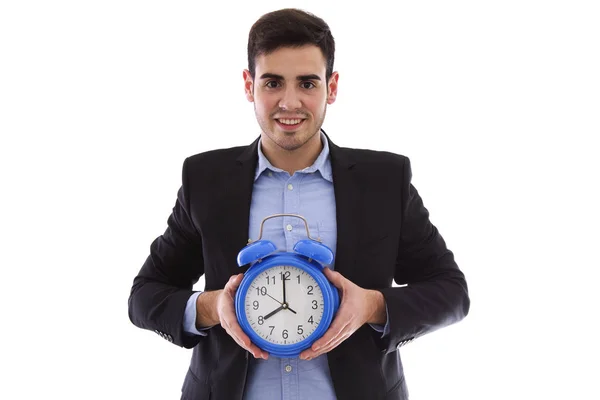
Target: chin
x=289, y=145
x=289, y=140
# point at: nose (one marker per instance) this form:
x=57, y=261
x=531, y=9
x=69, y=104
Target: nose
x=290, y=100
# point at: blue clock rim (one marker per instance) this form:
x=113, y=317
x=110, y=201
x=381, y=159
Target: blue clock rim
x=330, y=302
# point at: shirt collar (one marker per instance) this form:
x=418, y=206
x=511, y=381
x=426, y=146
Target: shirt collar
x=321, y=164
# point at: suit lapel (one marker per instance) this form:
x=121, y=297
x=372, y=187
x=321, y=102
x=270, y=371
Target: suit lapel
x=235, y=205
x=348, y=198
x=348, y=201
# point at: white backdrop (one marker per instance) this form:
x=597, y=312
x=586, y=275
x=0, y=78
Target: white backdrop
x=495, y=103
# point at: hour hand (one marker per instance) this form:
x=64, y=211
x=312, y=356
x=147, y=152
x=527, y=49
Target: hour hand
x=269, y=315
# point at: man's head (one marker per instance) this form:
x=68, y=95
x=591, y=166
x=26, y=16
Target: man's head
x=290, y=76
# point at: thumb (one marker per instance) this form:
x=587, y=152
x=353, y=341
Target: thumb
x=234, y=282
x=334, y=277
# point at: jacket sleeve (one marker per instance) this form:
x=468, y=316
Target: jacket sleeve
x=164, y=284
x=436, y=294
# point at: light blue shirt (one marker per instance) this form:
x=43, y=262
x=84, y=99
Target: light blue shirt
x=308, y=193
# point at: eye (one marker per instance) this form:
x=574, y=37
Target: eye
x=272, y=84
x=307, y=85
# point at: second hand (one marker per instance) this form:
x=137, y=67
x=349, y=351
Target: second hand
x=281, y=303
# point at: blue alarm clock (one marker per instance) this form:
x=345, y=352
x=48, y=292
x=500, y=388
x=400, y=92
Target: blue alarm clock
x=284, y=302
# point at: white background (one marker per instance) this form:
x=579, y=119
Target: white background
x=496, y=104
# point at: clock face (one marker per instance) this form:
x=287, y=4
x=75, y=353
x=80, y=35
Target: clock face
x=284, y=305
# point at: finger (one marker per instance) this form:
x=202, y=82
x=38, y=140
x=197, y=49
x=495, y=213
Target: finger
x=333, y=344
x=234, y=282
x=306, y=354
x=334, y=277
x=230, y=323
x=235, y=331
x=319, y=347
x=336, y=328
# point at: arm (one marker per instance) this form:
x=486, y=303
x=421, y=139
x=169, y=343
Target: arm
x=436, y=294
x=164, y=284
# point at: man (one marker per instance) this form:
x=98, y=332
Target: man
x=360, y=202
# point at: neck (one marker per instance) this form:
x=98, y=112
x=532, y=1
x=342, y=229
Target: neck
x=292, y=160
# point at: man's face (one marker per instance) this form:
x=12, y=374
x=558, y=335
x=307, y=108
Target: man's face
x=290, y=95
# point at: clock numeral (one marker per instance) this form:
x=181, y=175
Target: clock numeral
x=298, y=276
x=284, y=334
x=310, y=290
x=261, y=291
x=272, y=327
x=269, y=280
x=300, y=330
x=311, y=320
x=255, y=305
x=285, y=275
x=315, y=304
x=261, y=320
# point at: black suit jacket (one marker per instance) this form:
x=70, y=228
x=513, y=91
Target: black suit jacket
x=378, y=211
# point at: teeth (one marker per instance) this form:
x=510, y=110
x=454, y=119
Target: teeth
x=290, y=121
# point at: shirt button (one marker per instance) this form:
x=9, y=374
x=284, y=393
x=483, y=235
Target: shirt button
x=290, y=187
x=288, y=227
x=270, y=174
x=288, y=368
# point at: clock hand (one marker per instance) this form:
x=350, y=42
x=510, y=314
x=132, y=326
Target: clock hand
x=284, y=300
x=281, y=303
x=269, y=315
x=274, y=298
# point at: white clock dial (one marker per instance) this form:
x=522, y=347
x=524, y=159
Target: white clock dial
x=282, y=320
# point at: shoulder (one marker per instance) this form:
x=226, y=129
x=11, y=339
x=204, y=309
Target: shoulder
x=374, y=159
x=218, y=156
x=376, y=156
x=213, y=166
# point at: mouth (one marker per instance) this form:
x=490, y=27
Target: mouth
x=289, y=124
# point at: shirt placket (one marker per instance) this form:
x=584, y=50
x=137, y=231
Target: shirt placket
x=291, y=202
x=289, y=379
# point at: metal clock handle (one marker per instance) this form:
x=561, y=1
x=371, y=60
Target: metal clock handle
x=285, y=215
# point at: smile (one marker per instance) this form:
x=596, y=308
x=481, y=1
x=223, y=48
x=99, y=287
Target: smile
x=289, y=124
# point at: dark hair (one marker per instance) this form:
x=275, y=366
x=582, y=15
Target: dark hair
x=289, y=27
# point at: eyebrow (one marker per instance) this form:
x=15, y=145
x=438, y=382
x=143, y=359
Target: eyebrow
x=309, y=77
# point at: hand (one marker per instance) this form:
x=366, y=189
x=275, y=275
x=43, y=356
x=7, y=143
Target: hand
x=228, y=319
x=358, y=306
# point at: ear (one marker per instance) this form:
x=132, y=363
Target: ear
x=332, y=87
x=248, y=85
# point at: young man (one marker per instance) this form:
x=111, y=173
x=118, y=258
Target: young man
x=360, y=202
